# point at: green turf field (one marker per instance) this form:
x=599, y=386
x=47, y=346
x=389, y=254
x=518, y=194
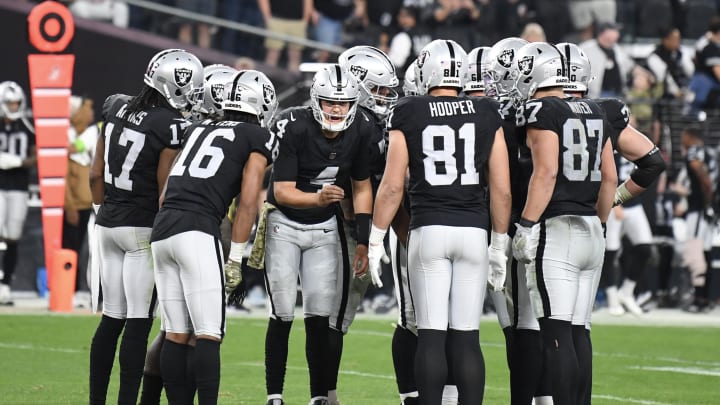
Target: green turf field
x=44, y=360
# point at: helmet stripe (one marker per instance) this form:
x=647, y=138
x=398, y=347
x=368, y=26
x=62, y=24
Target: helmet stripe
x=478, y=61
x=338, y=74
x=567, y=60
x=452, y=58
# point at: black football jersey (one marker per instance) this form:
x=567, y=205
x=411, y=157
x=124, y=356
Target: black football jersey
x=582, y=131
x=706, y=155
x=133, y=143
x=618, y=116
x=311, y=160
x=374, y=129
x=208, y=175
x=449, y=141
x=16, y=138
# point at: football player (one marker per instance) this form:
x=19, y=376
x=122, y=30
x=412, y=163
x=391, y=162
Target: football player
x=216, y=76
x=218, y=159
x=639, y=164
x=140, y=139
x=454, y=148
x=570, y=193
x=322, y=153
x=17, y=156
x=377, y=79
x=529, y=379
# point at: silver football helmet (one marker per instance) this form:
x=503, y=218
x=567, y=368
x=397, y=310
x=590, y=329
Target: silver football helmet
x=577, y=67
x=539, y=65
x=250, y=91
x=477, y=58
x=410, y=87
x=11, y=92
x=216, y=77
x=334, y=84
x=376, y=75
x=178, y=76
x=499, y=73
x=441, y=63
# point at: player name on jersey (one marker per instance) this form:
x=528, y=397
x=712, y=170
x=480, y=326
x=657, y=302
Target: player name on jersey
x=447, y=108
x=580, y=107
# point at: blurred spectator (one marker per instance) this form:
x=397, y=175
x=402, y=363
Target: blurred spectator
x=109, y=10
x=407, y=43
x=553, y=16
x=244, y=63
x=240, y=43
x=705, y=83
x=328, y=18
x=670, y=65
x=610, y=65
x=380, y=22
x=533, y=32
x=78, y=199
x=286, y=17
x=641, y=99
x=583, y=13
x=512, y=16
x=202, y=30
x=143, y=19
x=455, y=19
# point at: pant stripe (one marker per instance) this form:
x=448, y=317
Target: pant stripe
x=269, y=294
x=401, y=290
x=153, y=303
x=219, y=256
x=345, y=273
x=540, y=278
x=515, y=291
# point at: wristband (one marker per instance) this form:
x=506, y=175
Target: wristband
x=237, y=251
x=362, y=227
x=376, y=235
x=526, y=223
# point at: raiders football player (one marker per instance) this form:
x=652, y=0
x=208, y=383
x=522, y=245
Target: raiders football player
x=569, y=195
x=449, y=216
x=140, y=139
x=322, y=154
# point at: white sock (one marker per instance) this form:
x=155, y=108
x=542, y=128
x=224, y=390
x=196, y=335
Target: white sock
x=332, y=396
x=543, y=401
x=413, y=394
x=450, y=395
x=274, y=396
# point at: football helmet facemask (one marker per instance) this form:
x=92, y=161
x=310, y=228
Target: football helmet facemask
x=334, y=84
x=539, y=65
x=441, y=63
x=11, y=92
x=178, y=76
x=499, y=73
x=477, y=58
x=577, y=67
x=376, y=75
x=250, y=91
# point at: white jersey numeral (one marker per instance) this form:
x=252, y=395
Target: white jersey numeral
x=440, y=165
x=208, y=158
x=576, y=157
x=127, y=136
x=14, y=143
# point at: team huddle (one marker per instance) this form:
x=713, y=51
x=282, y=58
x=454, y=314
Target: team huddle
x=492, y=174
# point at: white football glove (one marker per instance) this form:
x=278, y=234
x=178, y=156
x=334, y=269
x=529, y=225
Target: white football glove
x=497, y=254
x=376, y=253
x=9, y=161
x=525, y=242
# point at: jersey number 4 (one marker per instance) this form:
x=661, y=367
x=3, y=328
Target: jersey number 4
x=440, y=164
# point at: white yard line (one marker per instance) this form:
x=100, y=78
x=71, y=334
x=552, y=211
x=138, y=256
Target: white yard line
x=629, y=400
x=18, y=346
x=681, y=370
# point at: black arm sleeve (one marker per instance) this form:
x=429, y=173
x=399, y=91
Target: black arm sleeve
x=648, y=169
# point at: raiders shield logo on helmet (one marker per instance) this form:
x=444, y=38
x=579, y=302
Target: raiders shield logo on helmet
x=182, y=76
x=268, y=93
x=506, y=57
x=422, y=58
x=525, y=65
x=216, y=92
x=358, y=71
